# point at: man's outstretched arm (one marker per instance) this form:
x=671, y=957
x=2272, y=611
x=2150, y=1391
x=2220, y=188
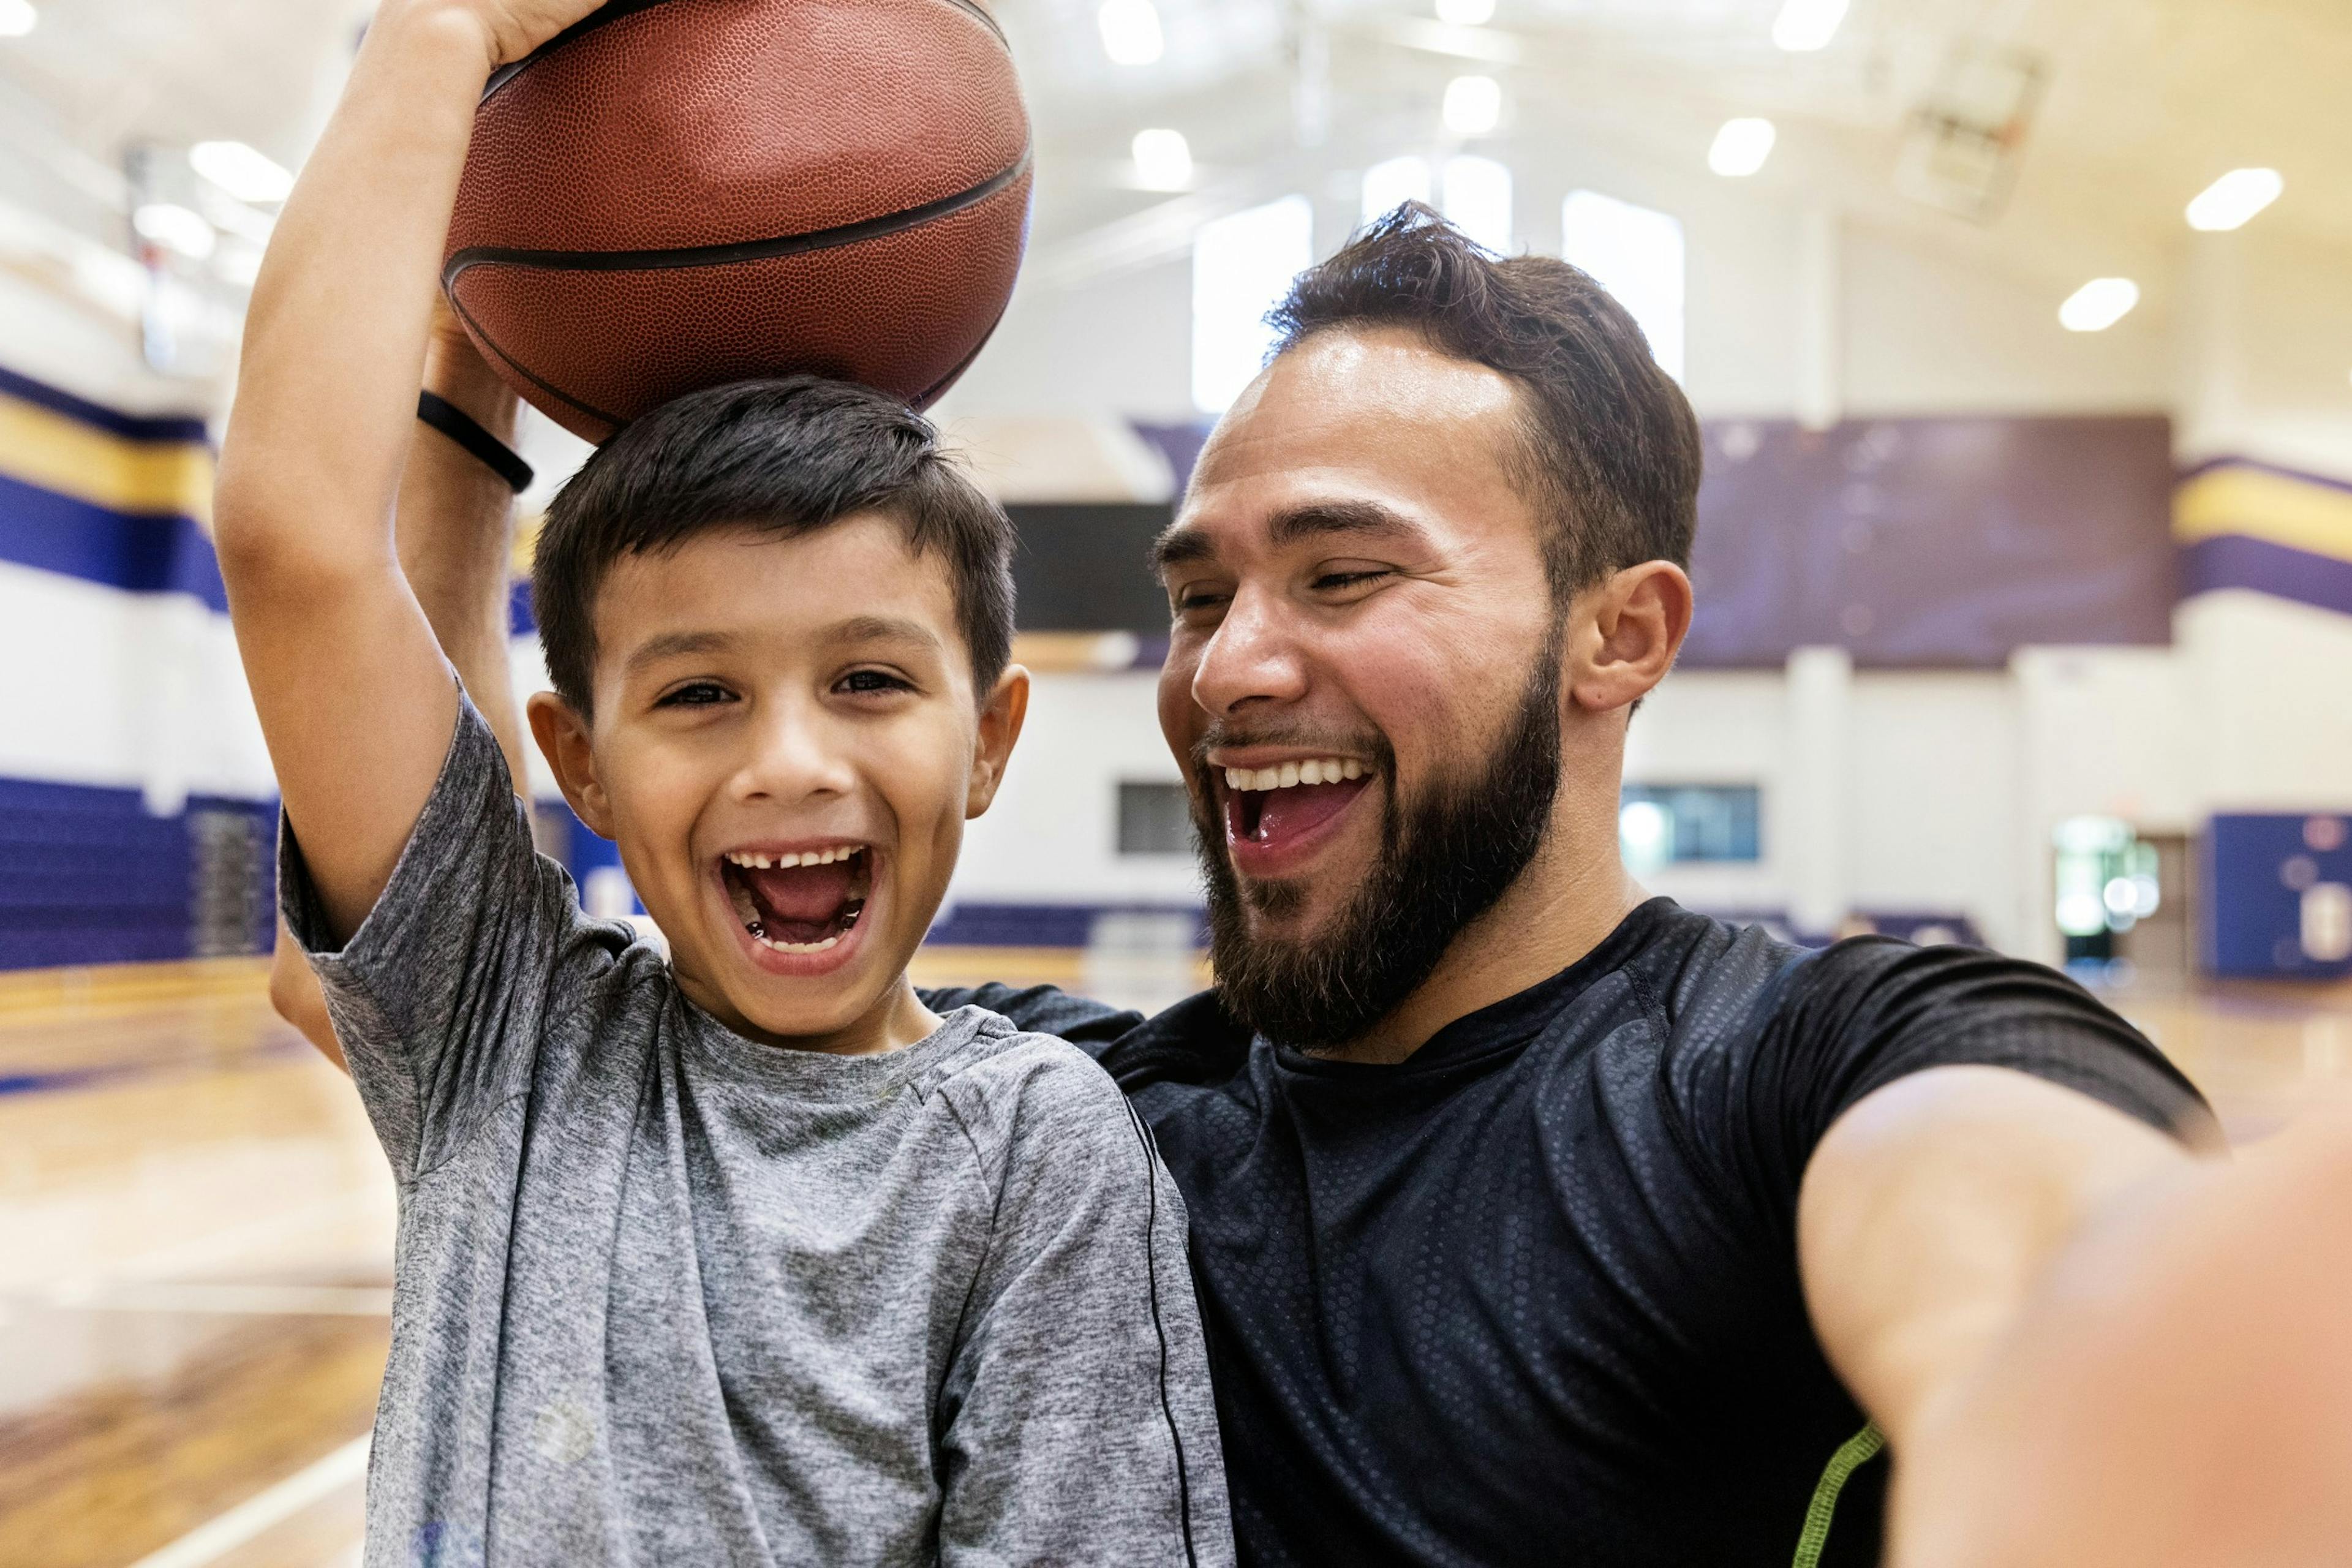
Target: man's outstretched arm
x=1931, y=1210
x=455, y=536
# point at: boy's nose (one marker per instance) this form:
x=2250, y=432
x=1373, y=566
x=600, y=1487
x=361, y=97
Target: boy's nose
x=792, y=758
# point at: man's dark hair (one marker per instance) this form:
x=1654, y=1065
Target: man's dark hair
x=1609, y=452
x=779, y=457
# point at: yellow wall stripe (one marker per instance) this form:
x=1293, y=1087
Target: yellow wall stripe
x=2261, y=504
x=59, y=453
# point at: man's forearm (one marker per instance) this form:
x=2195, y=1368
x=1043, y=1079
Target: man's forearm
x=455, y=529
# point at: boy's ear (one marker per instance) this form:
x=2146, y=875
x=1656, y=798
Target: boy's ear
x=1000, y=717
x=562, y=738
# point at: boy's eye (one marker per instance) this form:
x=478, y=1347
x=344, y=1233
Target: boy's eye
x=862, y=681
x=696, y=694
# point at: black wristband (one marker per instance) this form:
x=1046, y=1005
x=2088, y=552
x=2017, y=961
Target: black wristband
x=461, y=427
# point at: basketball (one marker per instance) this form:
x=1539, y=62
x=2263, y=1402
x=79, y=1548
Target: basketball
x=676, y=193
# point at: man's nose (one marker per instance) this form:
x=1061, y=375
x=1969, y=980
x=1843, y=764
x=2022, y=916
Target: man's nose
x=795, y=756
x=1253, y=657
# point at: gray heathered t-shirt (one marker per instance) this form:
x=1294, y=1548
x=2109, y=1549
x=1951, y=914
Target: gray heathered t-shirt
x=666, y=1295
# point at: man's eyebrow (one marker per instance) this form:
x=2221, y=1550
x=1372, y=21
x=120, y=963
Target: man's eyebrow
x=672, y=645
x=1185, y=544
x=1181, y=544
x=1364, y=518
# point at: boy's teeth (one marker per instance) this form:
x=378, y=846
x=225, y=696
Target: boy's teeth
x=752, y=860
x=795, y=946
x=1319, y=769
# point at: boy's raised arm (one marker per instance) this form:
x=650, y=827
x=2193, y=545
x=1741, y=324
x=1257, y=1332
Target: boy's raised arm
x=355, y=698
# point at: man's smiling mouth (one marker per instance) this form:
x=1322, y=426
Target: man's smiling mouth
x=1266, y=806
x=798, y=901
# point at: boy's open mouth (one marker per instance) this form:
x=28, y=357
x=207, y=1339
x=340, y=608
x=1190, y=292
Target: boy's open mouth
x=798, y=902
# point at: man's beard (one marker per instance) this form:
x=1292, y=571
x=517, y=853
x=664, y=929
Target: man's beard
x=1445, y=859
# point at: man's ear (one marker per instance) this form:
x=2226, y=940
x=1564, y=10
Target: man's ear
x=1001, y=719
x=562, y=737
x=1625, y=633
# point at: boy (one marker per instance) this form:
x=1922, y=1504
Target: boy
x=746, y=1258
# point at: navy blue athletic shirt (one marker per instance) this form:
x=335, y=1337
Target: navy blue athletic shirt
x=1531, y=1295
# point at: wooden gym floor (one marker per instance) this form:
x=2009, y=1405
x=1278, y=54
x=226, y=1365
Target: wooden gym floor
x=196, y=1233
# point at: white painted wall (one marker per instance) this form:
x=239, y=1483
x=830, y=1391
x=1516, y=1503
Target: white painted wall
x=1052, y=835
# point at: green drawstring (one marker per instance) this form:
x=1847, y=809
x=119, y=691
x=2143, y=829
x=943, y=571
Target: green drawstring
x=1857, y=1451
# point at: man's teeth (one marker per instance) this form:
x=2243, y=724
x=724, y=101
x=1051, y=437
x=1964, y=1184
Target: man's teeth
x=1321, y=771
x=746, y=859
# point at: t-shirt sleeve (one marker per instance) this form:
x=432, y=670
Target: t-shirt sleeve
x=1838, y=1025
x=1079, y=1426
x=1093, y=1026
x=439, y=997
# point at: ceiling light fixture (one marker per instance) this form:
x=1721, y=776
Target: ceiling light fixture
x=1465, y=13
x=2229, y=201
x=1741, y=147
x=1130, y=31
x=1163, y=159
x=174, y=227
x=1472, y=105
x=1804, y=25
x=17, y=18
x=244, y=172
x=2098, y=304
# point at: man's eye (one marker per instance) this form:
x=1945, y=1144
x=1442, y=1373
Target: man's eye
x=1337, y=582
x=869, y=681
x=1195, y=599
x=696, y=694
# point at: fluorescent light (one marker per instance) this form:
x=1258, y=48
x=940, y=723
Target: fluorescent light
x=2233, y=198
x=1465, y=13
x=1477, y=201
x=1130, y=31
x=1163, y=159
x=1472, y=105
x=244, y=172
x=17, y=18
x=1804, y=25
x=1741, y=147
x=174, y=227
x=2098, y=304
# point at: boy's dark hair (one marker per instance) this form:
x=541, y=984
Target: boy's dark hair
x=1610, y=450
x=782, y=458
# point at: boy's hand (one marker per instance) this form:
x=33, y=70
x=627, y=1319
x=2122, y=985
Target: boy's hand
x=510, y=28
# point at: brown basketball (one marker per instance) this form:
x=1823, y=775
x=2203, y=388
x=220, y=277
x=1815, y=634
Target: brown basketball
x=680, y=192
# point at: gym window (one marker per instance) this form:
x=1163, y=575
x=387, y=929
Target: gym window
x=1473, y=193
x=1637, y=254
x=1242, y=267
x=1663, y=824
x=1154, y=820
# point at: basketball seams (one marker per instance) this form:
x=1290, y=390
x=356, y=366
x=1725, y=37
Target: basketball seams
x=919, y=387
x=741, y=250
x=900, y=111
x=615, y=10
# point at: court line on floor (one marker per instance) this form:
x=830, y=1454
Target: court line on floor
x=258, y=1300
x=216, y=1538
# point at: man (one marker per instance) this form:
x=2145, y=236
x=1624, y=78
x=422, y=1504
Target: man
x=1533, y=1219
